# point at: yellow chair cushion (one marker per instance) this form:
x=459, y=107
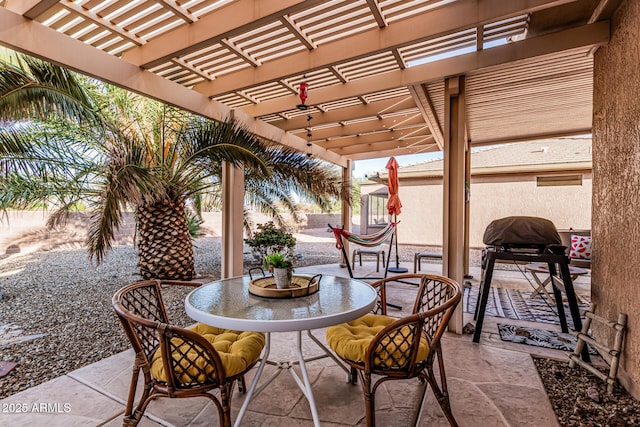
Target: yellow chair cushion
x=352, y=339
x=237, y=350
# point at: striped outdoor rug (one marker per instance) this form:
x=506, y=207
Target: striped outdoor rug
x=518, y=304
x=539, y=337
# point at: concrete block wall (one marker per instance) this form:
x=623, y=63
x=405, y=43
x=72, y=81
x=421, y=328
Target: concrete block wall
x=322, y=219
x=26, y=231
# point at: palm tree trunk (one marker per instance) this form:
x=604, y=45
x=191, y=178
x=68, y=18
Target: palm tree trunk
x=165, y=249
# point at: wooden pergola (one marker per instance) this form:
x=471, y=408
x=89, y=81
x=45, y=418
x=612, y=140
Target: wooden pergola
x=385, y=77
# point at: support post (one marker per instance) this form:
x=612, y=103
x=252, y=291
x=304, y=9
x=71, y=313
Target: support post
x=232, y=221
x=454, y=192
x=467, y=205
x=345, y=211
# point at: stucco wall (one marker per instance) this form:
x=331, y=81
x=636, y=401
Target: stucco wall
x=370, y=187
x=491, y=198
x=26, y=231
x=615, y=276
x=421, y=217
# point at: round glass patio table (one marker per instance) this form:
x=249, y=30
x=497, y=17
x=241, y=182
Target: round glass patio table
x=228, y=304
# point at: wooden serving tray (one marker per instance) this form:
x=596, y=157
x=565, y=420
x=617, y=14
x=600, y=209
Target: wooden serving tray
x=301, y=286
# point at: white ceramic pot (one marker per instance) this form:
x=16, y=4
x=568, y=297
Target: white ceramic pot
x=282, y=277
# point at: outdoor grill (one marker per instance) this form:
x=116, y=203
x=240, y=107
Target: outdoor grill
x=530, y=240
x=522, y=234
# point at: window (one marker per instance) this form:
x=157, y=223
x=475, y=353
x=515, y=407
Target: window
x=557, y=180
x=377, y=209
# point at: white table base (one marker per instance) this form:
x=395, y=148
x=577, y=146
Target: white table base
x=229, y=304
x=304, y=384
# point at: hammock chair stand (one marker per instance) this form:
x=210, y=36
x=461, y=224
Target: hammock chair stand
x=369, y=241
x=365, y=240
x=397, y=268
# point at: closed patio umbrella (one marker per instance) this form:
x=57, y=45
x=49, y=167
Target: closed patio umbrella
x=394, y=206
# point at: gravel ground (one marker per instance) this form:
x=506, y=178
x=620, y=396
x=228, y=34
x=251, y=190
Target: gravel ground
x=60, y=294
x=579, y=398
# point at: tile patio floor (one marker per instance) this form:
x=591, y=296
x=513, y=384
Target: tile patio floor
x=491, y=384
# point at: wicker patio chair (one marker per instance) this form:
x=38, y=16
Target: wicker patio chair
x=178, y=362
x=396, y=349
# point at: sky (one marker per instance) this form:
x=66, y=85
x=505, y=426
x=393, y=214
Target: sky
x=369, y=167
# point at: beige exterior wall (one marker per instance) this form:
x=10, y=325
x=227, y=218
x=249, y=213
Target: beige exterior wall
x=616, y=195
x=421, y=217
x=491, y=198
x=369, y=187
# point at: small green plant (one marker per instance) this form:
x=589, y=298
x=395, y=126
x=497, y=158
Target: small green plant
x=194, y=222
x=269, y=239
x=276, y=260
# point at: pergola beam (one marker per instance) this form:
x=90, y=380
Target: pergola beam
x=353, y=141
x=392, y=152
x=178, y=10
x=457, y=16
x=348, y=113
x=586, y=35
x=241, y=53
x=374, y=147
x=421, y=96
x=230, y=20
x=297, y=31
x=33, y=38
x=389, y=123
x=92, y=17
x=377, y=13
x=30, y=8
x=193, y=69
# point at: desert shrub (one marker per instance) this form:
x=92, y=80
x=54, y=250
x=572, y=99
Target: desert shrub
x=269, y=239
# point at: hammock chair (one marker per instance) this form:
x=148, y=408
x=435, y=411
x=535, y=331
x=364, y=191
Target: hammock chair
x=366, y=240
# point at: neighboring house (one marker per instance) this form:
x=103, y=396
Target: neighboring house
x=548, y=178
x=373, y=206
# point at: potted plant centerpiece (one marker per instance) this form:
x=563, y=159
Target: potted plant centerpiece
x=281, y=267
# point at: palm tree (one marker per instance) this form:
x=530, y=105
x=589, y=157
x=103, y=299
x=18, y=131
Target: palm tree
x=143, y=155
x=161, y=158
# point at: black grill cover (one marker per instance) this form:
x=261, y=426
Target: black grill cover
x=521, y=232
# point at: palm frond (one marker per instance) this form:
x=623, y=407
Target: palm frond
x=38, y=89
x=211, y=143
x=105, y=220
x=28, y=192
x=44, y=150
x=125, y=185
x=294, y=173
x=269, y=201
